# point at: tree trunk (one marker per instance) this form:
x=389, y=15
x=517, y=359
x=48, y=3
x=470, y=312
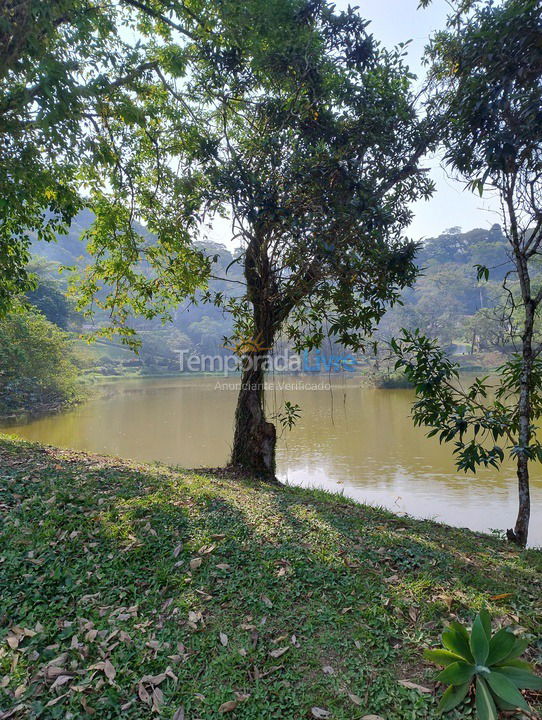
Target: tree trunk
x=520, y=532
x=254, y=438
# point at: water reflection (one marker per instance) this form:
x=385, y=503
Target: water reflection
x=355, y=440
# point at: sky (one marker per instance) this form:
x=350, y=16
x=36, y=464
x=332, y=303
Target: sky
x=392, y=22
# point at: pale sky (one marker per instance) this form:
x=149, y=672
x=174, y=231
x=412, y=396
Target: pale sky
x=392, y=22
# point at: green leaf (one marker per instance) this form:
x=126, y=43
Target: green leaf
x=485, y=619
x=452, y=697
x=456, y=639
x=442, y=657
x=478, y=641
x=456, y=674
x=500, y=646
x=505, y=689
x=521, y=678
x=519, y=648
x=485, y=707
x=514, y=662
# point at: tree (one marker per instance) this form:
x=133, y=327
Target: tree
x=37, y=372
x=302, y=130
x=71, y=74
x=317, y=160
x=486, y=72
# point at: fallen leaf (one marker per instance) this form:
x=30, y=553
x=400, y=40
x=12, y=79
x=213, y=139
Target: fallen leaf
x=206, y=549
x=266, y=601
x=13, y=641
x=157, y=699
x=195, y=563
x=223, y=639
x=320, y=713
x=242, y=696
x=19, y=691
x=355, y=698
x=109, y=670
x=414, y=686
x=228, y=706
x=372, y=717
x=143, y=694
x=153, y=679
x=177, y=550
x=278, y=652
x=179, y=715
x=61, y=680
x=328, y=670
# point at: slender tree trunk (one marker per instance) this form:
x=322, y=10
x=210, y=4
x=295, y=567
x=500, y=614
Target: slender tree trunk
x=520, y=532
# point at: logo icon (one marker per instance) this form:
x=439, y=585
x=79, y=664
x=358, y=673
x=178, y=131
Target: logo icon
x=248, y=346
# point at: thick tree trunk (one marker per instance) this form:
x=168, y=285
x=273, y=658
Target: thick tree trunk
x=254, y=438
x=520, y=532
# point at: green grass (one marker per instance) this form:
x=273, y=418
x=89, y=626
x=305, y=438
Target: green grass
x=295, y=599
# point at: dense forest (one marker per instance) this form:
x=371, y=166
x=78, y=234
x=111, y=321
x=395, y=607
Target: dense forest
x=448, y=301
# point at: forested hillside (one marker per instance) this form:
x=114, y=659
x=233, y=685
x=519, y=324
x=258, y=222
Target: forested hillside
x=453, y=301
x=447, y=301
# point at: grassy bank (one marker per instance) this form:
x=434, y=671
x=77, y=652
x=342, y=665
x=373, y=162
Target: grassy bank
x=131, y=590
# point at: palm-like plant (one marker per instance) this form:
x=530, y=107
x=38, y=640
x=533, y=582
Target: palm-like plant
x=491, y=662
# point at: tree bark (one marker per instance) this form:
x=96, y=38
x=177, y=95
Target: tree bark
x=254, y=438
x=519, y=534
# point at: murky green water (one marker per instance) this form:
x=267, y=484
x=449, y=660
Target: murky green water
x=355, y=440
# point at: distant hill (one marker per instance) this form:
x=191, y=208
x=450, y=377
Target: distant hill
x=447, y=300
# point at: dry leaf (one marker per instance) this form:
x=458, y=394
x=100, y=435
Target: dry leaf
x=266, y=601
x=328, y=670
x=194, y=616
x=355, y=698
x=157, y=699
x=278, y=652
x=414, y=686
x=109, y=670
x=242, y=696
x=177, y=550
x=153, y=679
x=228, y=706
x=372, y=717
x=206, y=549
x=320, y=713
x=223, y=639
x=179, y=715
x=143, y=694
x=61, y=680
x=195, y=563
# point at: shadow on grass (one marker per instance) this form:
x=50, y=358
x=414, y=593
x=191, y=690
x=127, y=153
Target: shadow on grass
x=278, y=600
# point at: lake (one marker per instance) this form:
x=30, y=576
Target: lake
x=351, y=439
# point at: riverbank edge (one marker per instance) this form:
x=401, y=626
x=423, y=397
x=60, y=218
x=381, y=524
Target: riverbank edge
x=331, y=601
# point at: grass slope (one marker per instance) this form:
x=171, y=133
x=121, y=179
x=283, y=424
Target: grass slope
x=131, y=590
